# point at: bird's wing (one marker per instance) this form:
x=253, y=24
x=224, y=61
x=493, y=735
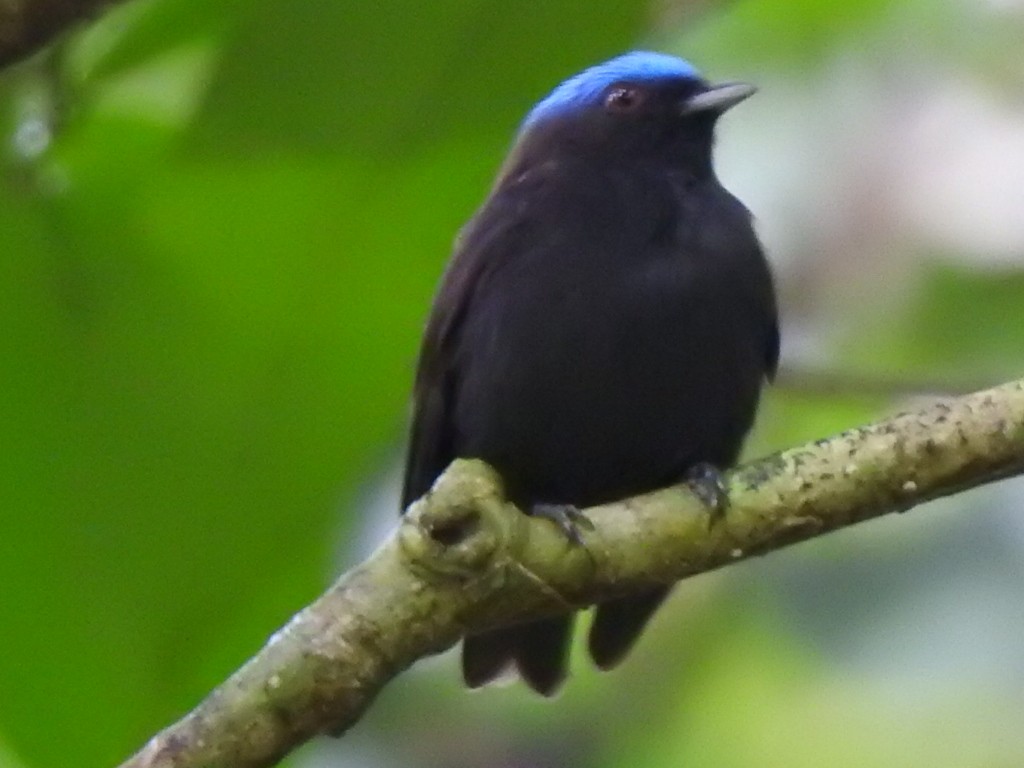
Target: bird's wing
x=759, y=283
x=493, y=236
x=431, y=440
x=770, y=307
x=772, y=359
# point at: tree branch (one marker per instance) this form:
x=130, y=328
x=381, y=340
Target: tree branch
x=26, y=26
x=463, y=559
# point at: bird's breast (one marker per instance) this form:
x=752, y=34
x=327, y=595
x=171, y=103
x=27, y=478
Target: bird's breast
x=595, y=383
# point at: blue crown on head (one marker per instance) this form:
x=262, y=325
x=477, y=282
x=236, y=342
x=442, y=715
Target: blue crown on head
x=584, y=89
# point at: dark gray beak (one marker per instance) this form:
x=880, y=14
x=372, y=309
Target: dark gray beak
x=718, y=98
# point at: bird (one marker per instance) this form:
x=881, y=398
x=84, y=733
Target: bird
x=604, y=327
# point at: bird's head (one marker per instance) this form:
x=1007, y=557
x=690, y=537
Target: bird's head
x=638, y=106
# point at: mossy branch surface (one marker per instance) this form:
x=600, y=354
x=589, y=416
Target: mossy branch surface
x=464, y=559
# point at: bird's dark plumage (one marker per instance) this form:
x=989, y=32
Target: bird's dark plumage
x=606, y=322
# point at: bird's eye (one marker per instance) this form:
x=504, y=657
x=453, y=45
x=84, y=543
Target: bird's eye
x=623, y=99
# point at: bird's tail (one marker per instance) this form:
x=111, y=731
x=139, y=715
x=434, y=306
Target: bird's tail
x=539, y=651
x=618, y=623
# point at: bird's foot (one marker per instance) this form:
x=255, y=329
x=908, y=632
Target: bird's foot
x=566, y=516
x=707, y=482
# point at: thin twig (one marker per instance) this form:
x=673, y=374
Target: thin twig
x=833, y=382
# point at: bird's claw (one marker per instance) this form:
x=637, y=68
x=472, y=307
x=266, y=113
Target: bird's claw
x=567, y=517
x=707, y=482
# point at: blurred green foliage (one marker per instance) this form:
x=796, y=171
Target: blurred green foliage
x=222, y=223
x=214, y=285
